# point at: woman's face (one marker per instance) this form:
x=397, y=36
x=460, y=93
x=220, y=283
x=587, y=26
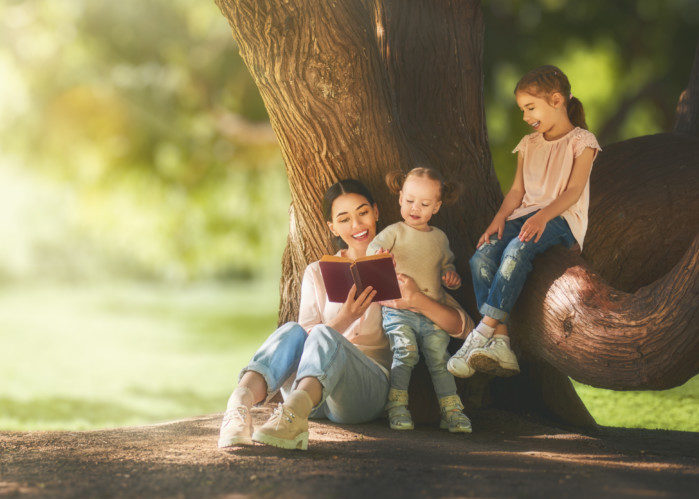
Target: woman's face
x=354, y=220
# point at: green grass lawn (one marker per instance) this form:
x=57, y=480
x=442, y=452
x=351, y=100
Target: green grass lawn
x=81, y=358
x=101, y=356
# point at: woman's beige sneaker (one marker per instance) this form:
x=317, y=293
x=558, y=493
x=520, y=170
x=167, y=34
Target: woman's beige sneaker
x=284, y=430
x=236, y=427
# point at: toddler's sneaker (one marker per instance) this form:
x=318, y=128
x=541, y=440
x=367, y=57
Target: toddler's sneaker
x=495, y=358
x=399, y=418
x=452, y=418
x=283, y=429
x=236, y=427
x=458, y=364
x=455, y=421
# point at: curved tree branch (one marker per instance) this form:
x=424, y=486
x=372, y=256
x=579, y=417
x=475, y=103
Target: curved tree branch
x=606, y=338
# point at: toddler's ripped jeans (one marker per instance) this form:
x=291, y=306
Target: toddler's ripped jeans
x=407, y=331
x=500, y=267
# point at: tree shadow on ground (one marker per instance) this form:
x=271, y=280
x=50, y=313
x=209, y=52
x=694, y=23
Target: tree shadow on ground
x=505, y=456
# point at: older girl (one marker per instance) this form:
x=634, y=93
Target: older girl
x=547, y=205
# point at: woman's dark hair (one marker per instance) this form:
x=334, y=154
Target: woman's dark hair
x=449, y=191
x=346, y=186
x=544, y=81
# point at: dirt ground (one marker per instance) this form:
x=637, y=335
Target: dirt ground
x=504, y=457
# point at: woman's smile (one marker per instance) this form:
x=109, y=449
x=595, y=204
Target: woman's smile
x=361, y=236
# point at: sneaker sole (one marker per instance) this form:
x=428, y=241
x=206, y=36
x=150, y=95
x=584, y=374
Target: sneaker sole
x=459, y=374
x=235, y=442
x=445, y=426
x=402, y=427
x=299, y=442
x=482, y=363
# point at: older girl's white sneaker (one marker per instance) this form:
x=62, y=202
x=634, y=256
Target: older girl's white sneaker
x=458, y=364
x=496, y=358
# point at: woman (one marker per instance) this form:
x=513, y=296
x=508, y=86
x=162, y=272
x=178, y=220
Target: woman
x=338, y=350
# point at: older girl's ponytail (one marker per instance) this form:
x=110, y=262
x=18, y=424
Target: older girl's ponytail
x=576, y=113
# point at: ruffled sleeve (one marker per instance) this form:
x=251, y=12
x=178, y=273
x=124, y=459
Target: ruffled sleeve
x=522, y=146
x=584, y=139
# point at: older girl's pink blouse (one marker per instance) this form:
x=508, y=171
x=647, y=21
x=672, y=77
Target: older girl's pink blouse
x=547, y=168
x=366, y=333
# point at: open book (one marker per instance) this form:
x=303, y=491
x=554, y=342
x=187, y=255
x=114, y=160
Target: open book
x=378, y=271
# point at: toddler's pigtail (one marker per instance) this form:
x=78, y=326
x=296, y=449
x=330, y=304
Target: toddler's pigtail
x=451, y=191
x=576, y=113
x=395, y=180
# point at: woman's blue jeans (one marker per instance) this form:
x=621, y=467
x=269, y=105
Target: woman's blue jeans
x=354, y=387
x=500, y=267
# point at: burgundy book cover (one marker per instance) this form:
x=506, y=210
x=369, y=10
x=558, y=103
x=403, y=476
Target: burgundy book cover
x=378, y=271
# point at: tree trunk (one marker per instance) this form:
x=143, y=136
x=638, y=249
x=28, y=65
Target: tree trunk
x=355, y=88
x=687, y=118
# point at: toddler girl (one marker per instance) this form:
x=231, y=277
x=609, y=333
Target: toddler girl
x=547, y=205
x=421, y=252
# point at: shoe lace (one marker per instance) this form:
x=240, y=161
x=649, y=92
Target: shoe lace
x=280, y=414
x=238, y=414
x=468, y=342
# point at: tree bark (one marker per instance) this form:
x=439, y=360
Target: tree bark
x=356, y=88
x=687, y=117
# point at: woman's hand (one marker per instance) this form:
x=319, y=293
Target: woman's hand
x=354, y=307
x=534, y=226
x=496, y=226
x=408, y=291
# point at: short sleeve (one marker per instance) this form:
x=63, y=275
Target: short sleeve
x=583, y=140
x=309, y=309
x=522, y=146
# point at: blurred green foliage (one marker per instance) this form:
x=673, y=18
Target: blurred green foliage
x=143, y=117
x=135, y=144
x=627, y=61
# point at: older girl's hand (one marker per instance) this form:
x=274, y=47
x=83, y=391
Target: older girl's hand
x=534, y=226
x=497, y=226
x=408, y=290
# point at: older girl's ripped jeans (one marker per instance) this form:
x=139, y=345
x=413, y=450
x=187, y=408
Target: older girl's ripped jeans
x=500, y=267
x=354, y=386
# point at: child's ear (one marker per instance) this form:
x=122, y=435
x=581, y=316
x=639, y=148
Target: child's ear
x=400, y=198
x=437, y=206
x=556, y=99
x=332, y=229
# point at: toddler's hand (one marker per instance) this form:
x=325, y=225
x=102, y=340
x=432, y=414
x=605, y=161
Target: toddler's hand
x=451, y=280
x=384, y=250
